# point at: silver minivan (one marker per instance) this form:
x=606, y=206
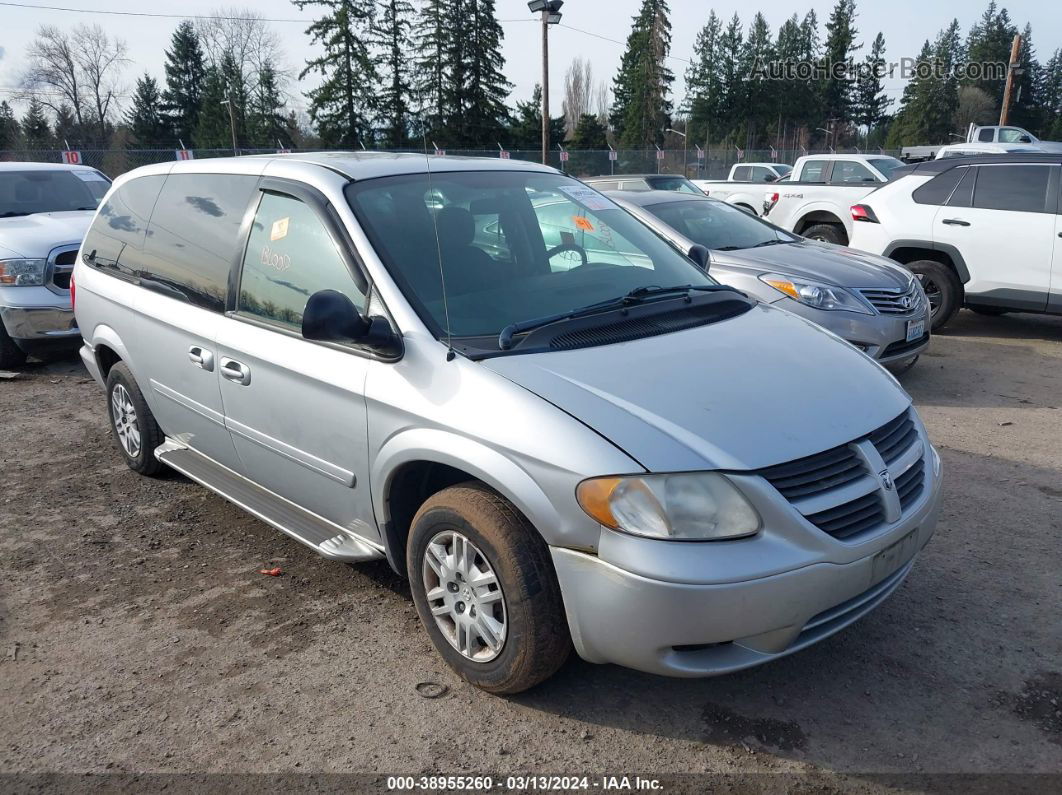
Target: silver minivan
x=583, y=443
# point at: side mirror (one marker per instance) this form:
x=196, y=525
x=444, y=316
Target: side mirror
x=701, y=257
x=770, y=178
x=331, y=316
x=1024, y=139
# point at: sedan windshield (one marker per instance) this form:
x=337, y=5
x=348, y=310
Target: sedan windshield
x=49, y=191
x=678, y=184
x=717, y=225
x=513, y=246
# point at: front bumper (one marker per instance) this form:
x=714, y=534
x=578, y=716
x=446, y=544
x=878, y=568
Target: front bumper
x=881, y=337
x=689, y=629
x=39, y=327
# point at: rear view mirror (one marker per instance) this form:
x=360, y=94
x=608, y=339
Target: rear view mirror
x=331, y=316
x=700, y=255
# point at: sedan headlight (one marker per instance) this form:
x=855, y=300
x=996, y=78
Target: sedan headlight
x=819, y=296
x=696, y=506
x=22, y=272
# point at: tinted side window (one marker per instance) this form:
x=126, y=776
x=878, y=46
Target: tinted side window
x=1019, y=188
x=122, y=224
x=814, y=171
x=761, y=174
x=938, y=189
x=194, y=237
x=290, y=256
x=742, y=174
x=851, y=172
x=984, y=136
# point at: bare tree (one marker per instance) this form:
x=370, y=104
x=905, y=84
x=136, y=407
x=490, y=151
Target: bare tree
x=245, y=36
x=578, y=90
x=77, y=71
x=975, y=106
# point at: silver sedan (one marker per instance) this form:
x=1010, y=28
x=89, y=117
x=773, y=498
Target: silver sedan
x=873, y=303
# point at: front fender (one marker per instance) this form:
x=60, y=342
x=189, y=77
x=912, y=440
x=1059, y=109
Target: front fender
x=484, y=463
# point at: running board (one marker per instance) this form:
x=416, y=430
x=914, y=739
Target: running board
x=329, y=540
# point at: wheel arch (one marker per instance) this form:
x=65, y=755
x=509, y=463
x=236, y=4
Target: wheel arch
x=108, y=349
x=814, y=217
x=907, y=251
x=415, y=464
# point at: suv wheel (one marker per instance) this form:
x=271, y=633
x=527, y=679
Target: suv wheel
x=135, y=431
x=827, y=233
x=942, y=288
x=485, y=590
x=10, y=354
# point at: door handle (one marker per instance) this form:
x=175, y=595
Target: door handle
x=956, y=222
x=235, y=371
x=200, y=357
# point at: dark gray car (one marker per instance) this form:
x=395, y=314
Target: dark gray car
x=873, y=303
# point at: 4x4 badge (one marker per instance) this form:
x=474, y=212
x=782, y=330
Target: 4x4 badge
x=886, y=480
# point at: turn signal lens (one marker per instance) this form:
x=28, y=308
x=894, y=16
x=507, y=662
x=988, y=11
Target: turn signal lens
x=593, y=496
x=784, y=285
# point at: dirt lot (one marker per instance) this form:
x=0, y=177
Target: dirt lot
x=136, y=633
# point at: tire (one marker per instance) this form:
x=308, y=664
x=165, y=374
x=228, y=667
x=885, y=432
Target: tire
x=534, y=641
x=132, y=420
x=10, y=354
x=943, y=289
x=827, y=233
x=990, y=311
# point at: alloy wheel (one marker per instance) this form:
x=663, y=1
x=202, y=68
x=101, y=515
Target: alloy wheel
x=464, y=596
x=933, y=293
x=123, y=414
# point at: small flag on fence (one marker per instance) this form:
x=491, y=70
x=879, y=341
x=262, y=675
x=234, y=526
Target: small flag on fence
x=774, y=153
x=613, y=155
x=72, y=157
x=564, y=156
x=659, y=153
x=740, y=153
x=804, y=149
x=504, y=155
x=283, y=151
x=700, y=153
x=440, y=153
x=184, y=154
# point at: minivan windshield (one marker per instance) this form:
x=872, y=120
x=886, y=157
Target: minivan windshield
x=718, y=225
x=49, y=191
x=514, y=246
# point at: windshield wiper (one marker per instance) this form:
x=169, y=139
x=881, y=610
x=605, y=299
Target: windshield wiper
x=635, y=296
x=777, y=241
x=12, y=214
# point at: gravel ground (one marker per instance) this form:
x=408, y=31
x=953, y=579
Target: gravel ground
x=137, y=634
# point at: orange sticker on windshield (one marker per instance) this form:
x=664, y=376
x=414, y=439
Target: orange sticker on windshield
x=279, y=230
x=583, y=223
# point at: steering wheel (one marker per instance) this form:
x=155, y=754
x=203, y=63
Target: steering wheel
x=568, y=247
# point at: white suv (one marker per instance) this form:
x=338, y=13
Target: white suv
x=981, y=232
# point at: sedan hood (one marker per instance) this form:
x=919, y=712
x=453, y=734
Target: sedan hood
x=36, y=235
x=756, y=390
x=820, y=262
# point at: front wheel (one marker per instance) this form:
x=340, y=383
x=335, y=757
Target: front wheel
x=942, y=288
x=484, y=586
x=10, y=354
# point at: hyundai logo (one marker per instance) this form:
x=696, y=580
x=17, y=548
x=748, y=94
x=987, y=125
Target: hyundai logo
x=886, y=480
x=907, y=302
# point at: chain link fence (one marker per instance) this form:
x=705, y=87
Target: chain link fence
x=713, y=163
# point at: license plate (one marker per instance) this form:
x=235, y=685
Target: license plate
x=894, y=556
x=916, y=329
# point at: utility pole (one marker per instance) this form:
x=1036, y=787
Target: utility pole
x=1012, y=70
x=550, y=11
x=232, y=124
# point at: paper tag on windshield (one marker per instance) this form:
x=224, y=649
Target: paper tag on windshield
x=90, y=176
x=588, y=197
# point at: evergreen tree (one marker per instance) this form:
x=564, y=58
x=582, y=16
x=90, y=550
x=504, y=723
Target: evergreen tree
x=760, y=94
x=433, y=37
x=66, y=126
x=840, y=44
x=870, y=105
x=1027, y=102
x=525, y=131
x=213, y=127
x=185, y=74
x=1052, y=88
x=589, y=133
x=266, y=121
x=10, y=131
x=144, y=118
x=641, y=110
x=344, y=105
x=732, y=95
x=704, y=85
x=989, y=42
x=478, y=85
x=35, y=130
x=930, y=98
x=394, y=39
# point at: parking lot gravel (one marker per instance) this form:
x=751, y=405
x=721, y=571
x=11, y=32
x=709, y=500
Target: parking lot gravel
x=138, y=634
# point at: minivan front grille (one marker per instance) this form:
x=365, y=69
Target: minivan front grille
x=839, y=492
x=899, y=301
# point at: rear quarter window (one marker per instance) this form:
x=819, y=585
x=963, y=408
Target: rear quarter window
x=117, y=234
x=939, y=189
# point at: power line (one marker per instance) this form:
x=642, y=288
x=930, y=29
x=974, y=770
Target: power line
x=143, y=13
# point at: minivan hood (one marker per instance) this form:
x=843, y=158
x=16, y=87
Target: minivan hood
x=36, y=235
x=821, y=262
x=756, y=390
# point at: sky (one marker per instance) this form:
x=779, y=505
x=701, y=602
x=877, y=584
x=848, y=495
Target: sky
x=586, y=30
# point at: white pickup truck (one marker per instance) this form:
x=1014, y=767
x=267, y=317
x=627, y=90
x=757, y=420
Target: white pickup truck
x=817, y=198
x=743, y=187
x=987, y=140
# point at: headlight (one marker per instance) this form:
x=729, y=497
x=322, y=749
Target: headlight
x=697, y=506
x=820, y=296
x=22, y=272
